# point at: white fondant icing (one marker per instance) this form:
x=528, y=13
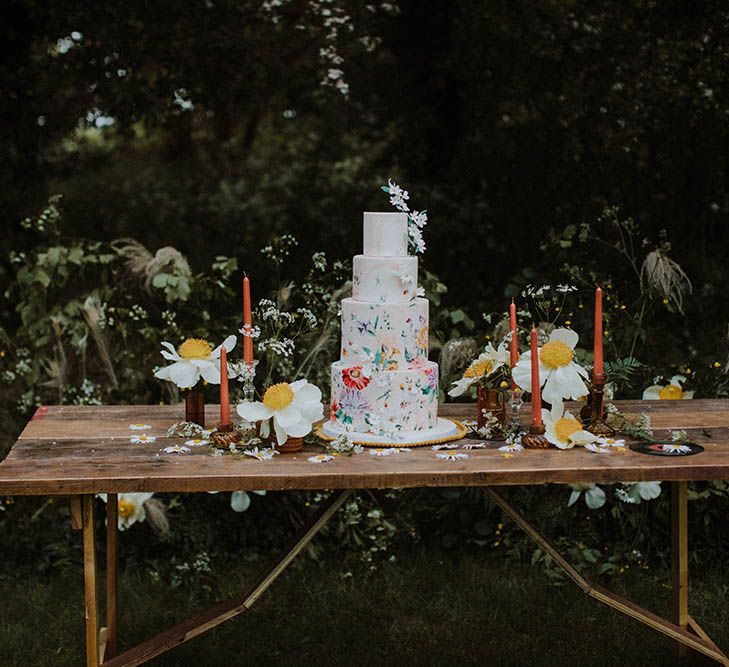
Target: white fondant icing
x=388, y=403
x=388, y=336
x=385, y=279
x=444, y=428
x=385, y=234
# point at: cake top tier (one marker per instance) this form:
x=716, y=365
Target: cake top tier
x=385, y=234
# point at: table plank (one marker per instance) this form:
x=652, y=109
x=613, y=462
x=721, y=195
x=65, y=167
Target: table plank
x=86, y=449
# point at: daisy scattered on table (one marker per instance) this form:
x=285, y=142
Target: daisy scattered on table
x=261, y=454
x=139, y=427
x=511, y=447
x=382, y=451
x=399, y=450
x=594, y=495
x=673, y=391
x=194, y=359
x=294, y=407
x=176, y=449
x=490, y=360
x=610, y=442
x=130, y=508
x=451, y=456
x=563, y=430
x=141, y=439
x=676, y=448
x=451, y=445
x=197, y=442
x=598, y=448
x=473, y=445
x=560, y=376
x=321, y=458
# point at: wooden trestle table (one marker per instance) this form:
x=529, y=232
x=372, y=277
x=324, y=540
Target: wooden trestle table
x=80, y=451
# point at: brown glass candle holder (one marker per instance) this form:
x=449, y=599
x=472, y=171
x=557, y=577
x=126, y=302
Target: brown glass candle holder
x=535, y=438
x=195, y=407
x=597, y=425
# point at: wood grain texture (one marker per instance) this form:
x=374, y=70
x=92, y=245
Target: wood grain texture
x=87, y=449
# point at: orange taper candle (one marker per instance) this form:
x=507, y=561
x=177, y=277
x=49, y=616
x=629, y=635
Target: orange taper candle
x=224, y=401
x=513, y=342
x=536, y=383
x=247, y=322
x=599, y=367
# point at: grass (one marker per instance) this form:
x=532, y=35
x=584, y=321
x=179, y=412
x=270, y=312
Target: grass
x=433, y=610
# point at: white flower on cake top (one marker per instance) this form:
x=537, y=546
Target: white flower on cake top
x=194, y=359
x=294, y=408
x=560, y=376
x=563, y=430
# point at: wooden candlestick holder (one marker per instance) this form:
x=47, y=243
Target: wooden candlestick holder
x=225, y=435
x=597, y=425
x=535, y=438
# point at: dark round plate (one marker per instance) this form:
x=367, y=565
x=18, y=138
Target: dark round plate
x=667, y=448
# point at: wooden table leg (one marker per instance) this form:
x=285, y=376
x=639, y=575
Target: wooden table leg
x=112, y=573
x=92, y=607
x=679, y=558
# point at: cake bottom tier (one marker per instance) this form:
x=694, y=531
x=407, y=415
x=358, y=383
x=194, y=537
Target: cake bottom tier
x=387, y=403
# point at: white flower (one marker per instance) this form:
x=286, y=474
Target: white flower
x=598, y=448
x=141, y=439
x=139, y=427
x=420, y=291
x=610, y=442
x=473, y=445
x=594, y=495
x=673, y=391
x=261, y=454
x=197, y=442
x=419, y=218
x=451, y=445
x=451, y=456
x=489, y=361
x=130, y=508
x=560, y=376
x=321, y=458
x=676, y=448
x=294, y=408
x=240, y=501
x=512, y=447
x=176, y=449
x=194, y=359
x=637, y=491
x=563, y=430
x=379, y=451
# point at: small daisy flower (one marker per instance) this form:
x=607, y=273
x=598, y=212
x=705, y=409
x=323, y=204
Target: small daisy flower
x=597, y=448
x=473, y=445
x=139, y=427
x=451, y=456
x=197, y=442
x=675, y=448
x=610, y=442
x=321, y=458
x=142, y=439
x=398, y=450
x=445, y=446
x=176, y=449
x=382, y=452
x=261, y=454
x=511, y=447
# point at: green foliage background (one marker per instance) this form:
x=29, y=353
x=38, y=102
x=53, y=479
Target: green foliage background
x=550, y=142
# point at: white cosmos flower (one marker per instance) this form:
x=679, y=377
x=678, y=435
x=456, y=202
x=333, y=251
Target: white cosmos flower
x=240, y=501
x=673, y=391
x=130, y=508
x=560, y=376
x=636, y=491
x=294, y=408
x=490, y=360
x=563, y=430
x=194, y=359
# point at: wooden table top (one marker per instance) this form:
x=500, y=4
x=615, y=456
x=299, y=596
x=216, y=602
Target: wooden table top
x=87, y=449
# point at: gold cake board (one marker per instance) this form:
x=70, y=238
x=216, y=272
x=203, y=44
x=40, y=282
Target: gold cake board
x=459, y=433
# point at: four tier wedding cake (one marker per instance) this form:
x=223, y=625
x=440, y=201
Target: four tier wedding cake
x=384, y=388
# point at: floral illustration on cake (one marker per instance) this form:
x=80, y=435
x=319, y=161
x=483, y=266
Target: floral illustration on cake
x=355, y=378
